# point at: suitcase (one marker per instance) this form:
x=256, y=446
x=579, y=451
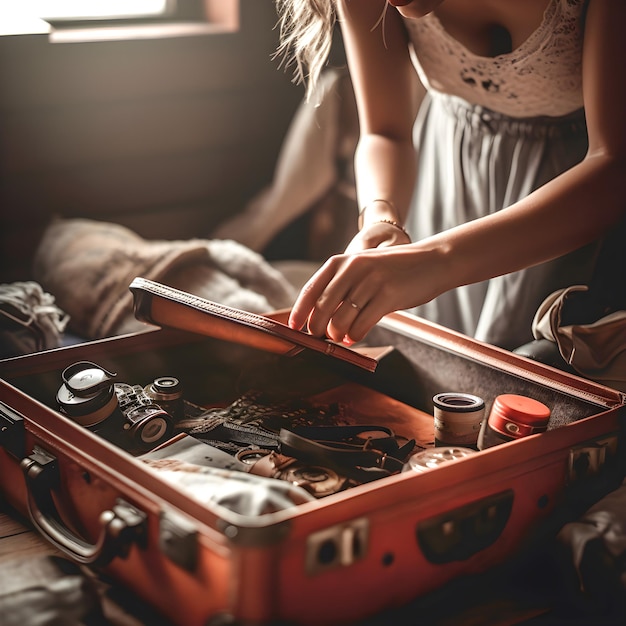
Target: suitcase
x=334, y=559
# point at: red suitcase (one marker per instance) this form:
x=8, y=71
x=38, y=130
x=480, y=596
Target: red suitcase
x=333, y=559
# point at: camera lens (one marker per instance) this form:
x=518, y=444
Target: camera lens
x=152, y=429
x=319, y=481
x=167, y=392
x=166, y=385
x=147, y=423
x=87, y=409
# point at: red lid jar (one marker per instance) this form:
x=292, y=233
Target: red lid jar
x=518, y=416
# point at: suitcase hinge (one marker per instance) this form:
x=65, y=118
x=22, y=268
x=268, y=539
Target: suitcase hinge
x=337, y=546
x=12, y=431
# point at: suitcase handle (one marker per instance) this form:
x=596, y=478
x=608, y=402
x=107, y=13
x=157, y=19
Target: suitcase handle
x=121, y=526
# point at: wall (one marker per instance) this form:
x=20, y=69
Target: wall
x=166, y=135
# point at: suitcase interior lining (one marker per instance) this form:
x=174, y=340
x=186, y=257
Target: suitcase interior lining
x=417, y=370
x=214, y=373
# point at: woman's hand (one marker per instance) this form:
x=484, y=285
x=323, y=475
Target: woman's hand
x=350, y=293
x=377, y=235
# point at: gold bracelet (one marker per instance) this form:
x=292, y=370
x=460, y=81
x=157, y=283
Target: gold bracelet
x=389, y=203
x=396, y=224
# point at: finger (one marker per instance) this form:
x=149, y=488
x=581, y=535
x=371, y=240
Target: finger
x=308, y=297
x=362, y=324
x=350, y=274
x=365, y=319
x=353, y=304
x=301, y=309
x=345, y=315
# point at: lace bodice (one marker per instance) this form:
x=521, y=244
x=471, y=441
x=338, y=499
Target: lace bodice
x=543, y=76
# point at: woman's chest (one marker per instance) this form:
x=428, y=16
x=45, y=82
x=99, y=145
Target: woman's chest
x=489, y=28
x=538, y=73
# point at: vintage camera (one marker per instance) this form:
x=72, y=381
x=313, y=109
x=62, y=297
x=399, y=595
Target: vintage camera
x=124, y=414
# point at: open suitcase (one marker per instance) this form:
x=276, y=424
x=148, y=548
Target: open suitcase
x=332, y=558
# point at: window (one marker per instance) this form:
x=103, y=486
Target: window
x=95, y=20
x=79, y=10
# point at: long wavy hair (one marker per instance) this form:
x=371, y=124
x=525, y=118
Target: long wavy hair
x=306, y=35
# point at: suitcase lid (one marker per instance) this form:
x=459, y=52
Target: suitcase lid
x=162, y=305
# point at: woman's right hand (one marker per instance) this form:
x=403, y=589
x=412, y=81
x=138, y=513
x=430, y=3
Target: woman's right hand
x=350, y=293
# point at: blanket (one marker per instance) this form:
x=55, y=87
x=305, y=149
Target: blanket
x=88, y=265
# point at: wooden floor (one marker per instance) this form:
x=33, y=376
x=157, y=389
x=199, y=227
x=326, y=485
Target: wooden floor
x=18, y=542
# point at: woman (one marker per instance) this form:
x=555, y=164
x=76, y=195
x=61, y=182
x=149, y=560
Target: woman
x=488, y=177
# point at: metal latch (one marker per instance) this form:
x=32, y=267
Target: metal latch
x=12, y=432
x=459, y=534
x=589, y=458
x=337, y=546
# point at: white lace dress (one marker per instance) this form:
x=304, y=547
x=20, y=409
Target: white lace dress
x=490, y=131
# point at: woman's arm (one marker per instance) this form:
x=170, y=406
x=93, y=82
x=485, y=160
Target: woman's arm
x=581, y=204
x=387, y=96
x=572, y=210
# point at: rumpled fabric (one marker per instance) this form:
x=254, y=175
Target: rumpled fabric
x=88, y=266
x=47, y=591
x=30, y=319
x=595, y=546
x=215, y=477
x=473, y=162
x=592, y=343
x=241, y=493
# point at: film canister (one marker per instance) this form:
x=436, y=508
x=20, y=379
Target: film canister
x=457, y=419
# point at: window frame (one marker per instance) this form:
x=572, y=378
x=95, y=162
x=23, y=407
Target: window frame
x=190, y=17
x=172, y=8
